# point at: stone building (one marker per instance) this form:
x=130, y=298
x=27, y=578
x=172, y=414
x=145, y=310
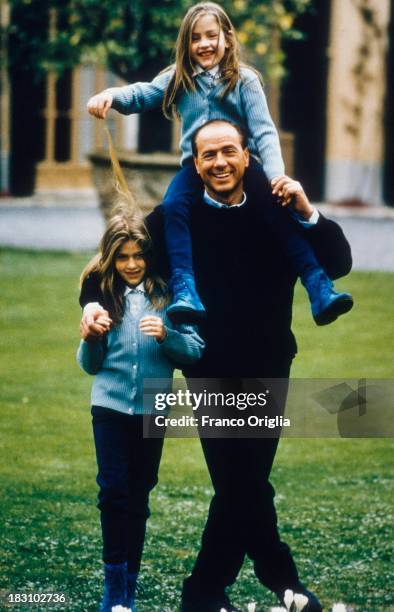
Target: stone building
x=336, y=102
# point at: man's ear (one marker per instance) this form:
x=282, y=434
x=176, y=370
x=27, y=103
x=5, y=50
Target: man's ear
x=247, y=156
x=196, y=164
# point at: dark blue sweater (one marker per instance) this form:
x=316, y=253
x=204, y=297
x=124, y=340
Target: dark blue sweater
x=246, y=284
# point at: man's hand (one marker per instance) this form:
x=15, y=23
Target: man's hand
x=291, y=192
x=153, y=326
x=100, y=328
x=95, y=322
x=99, y=105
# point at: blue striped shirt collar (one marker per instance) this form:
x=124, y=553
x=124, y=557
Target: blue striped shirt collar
x=212, y=72
x=216, y=204
x=138, y=289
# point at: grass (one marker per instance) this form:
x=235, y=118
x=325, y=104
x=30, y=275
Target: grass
x=334, y=497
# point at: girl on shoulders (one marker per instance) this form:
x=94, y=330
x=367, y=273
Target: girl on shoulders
x=209, y=82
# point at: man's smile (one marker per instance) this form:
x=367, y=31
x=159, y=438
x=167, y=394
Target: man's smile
x=221, y=175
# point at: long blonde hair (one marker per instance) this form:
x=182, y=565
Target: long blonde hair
x=126, y=223
x=182, y=79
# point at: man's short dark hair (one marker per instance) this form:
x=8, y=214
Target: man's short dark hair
x=242, y=134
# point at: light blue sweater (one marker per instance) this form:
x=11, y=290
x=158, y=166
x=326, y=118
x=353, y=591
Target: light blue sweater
x=125, y=357
x=246, y=106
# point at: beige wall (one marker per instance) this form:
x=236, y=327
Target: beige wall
x=356, y=92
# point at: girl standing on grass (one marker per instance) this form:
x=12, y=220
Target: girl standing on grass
x=140, y=344
x=209, y=82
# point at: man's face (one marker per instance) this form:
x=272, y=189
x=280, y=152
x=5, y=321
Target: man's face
x=221, y=160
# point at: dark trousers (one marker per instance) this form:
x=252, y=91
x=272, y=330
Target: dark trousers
x=242, y=518
x=186, y=189
x=128, y=468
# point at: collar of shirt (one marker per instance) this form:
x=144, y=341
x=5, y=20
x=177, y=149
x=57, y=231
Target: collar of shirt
x=212, y=72
x=138, y=289
x=216, y=204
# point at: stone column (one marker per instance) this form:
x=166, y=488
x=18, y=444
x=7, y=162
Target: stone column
x=356, y=91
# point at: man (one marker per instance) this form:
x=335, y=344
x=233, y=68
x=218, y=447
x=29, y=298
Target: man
x=246, y=284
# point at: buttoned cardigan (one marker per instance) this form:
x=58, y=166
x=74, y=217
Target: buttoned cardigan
x=125, y=358
x=245, y=105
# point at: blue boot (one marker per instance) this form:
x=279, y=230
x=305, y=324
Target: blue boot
x=131, y=587
x=186, y=305
x=326, y=304
x=114, y=586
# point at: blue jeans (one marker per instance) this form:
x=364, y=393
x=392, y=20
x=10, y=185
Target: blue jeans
x=186, y=190
x=128, y=466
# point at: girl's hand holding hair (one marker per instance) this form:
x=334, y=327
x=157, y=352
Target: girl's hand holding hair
x=99, y=105
x=153, y=326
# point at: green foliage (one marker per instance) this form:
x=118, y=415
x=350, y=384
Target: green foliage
x=334, y=497
x=136, y=37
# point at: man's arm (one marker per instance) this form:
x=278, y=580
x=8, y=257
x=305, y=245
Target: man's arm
x=325, y=236
x=90, y=290
x=95, y=319
x=331, y=247
x=155, y=226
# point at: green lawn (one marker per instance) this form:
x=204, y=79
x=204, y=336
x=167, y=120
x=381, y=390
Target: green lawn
x=334, y=496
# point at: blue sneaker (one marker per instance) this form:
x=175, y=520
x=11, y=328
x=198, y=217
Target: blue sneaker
x=326, y=304
x=114, y=586
x=131, y=590
x=186, y=305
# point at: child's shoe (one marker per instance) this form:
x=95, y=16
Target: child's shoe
x=326, y=304
x=131, y=589
x=114, y=586
x=186, y=305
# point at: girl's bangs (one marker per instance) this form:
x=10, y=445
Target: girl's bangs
x=202, y=14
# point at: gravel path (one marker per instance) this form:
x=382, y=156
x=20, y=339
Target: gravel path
x=76, y=228
x=66, y=229
x=372, y=242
